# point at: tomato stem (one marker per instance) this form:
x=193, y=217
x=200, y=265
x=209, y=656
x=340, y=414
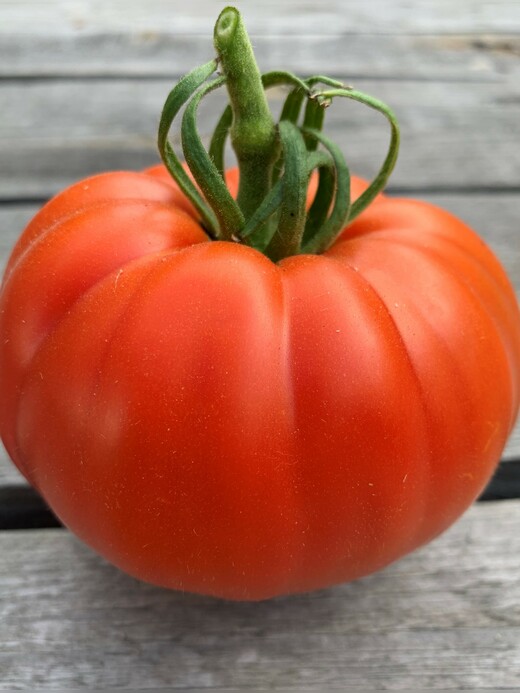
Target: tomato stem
x=276, y=160
x=253, y=131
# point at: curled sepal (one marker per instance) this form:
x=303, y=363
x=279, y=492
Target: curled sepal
x=319, y=210
x=292, y=105
x=218, y=140
x=386, y=169
x=315, y=108
x=278, y=77
x=252, y=232
x=257, y=233
x=178, y=96
x=327, y=81
x=230, y=218
x=291, y=222
x=313, y=119
x=317, y=238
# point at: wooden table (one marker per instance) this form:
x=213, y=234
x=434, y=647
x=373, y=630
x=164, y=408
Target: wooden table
x=82, y=85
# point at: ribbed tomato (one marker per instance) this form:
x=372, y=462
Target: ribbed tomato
x=213, y=421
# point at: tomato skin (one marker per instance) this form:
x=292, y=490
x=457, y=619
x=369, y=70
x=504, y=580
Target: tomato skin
x=210, y=421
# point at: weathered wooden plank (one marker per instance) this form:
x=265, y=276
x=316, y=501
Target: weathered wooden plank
x=460, y=57
x=452, y=134
x=447, y=616
x=266, y=16
x=441, y=40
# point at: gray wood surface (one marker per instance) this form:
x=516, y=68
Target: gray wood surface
x=447, y=616
x=452, y=136
x=269, y=17
x=437, y=39
x=161, y=51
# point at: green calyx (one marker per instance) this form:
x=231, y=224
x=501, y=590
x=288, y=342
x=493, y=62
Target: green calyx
x=276, y=160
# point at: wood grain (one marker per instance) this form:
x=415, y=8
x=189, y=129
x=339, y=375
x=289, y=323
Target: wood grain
x=268, y=16
x=52, y=133
x=447, y=616
x=438, y=40
x=466, y=57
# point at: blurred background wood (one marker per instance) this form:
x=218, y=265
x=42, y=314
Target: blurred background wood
x=82, y=83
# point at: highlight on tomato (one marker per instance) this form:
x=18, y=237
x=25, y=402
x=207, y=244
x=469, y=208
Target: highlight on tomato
x=258, y=381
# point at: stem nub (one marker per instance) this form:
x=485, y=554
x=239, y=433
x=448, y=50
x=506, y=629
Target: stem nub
x=275, y=160
x=253, y=131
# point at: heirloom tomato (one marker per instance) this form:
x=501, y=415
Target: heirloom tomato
x=219, y=416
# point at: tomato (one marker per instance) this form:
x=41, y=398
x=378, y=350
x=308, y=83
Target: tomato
x=245, y=384
x=212, y=421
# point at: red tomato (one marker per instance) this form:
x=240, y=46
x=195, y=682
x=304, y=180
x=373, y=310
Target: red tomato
x=211, y=421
